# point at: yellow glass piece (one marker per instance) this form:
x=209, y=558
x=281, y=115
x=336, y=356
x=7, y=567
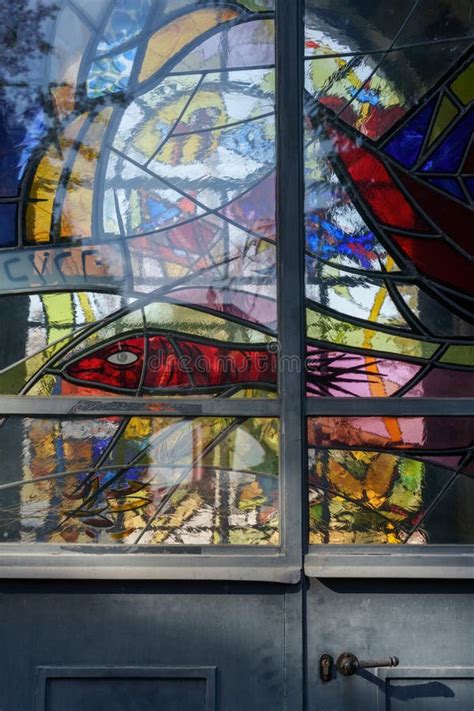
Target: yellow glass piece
x=330, y=330
x=187, y=320
x=76, y=218
x=463, y=85
x=43, y=190
x=446, y=113
x=59, y=312
x=39, y=212
x=171, y=39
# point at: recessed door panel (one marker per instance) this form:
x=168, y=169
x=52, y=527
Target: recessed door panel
x=431, y=690
x=132, y=689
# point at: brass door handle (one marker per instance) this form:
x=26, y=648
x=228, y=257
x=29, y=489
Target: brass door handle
x=348, y=664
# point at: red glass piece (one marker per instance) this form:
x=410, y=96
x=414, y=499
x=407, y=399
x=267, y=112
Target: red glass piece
x=218, y=365
x=376, y=186
x=377, y=121
x=439, y=260
x=103, y=367
x=450, y=215
x=183, y=365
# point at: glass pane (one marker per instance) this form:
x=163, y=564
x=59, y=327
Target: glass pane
x=391, y=480
x=389, y=197
x=140, y=480
x=137, y=212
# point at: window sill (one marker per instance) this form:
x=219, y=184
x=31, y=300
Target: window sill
x=192, y=563
x=422, y=562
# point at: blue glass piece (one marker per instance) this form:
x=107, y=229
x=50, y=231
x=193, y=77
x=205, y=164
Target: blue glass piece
x=36, y=131
x=448, y=156
x=125, y=22
x=110, y=74
x=8, y=213
x=328, y=241
x=469, y=182
x=20, y=133
x=450, y=185
x=406, y=144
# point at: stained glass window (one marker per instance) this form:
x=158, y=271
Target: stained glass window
x=140, y=480
x=389, y=93
x=138, y=201
x=138, y=259
x=390, y=480
x=139, y=264
x=389, y=196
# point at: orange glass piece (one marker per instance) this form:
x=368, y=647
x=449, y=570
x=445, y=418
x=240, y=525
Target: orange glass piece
x=39, y=211
x=76, y=218
x=172, y=38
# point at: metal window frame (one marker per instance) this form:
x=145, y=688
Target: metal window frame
x=284, y=563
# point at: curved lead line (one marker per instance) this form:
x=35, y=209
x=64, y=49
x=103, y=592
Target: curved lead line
x=163, y=505
x=91, y=329
x=77, y=472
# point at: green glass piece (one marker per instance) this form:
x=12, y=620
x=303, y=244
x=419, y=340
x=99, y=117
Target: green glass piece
x=463, y=85
x=459, y=355
x=325, y=328
x=446, y=113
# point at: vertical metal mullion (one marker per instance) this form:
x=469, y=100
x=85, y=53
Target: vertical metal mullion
x=290, y=230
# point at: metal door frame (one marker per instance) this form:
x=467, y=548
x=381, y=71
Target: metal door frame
x=283, y=563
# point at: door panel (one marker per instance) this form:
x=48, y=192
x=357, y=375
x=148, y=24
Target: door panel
x=127, y=689
x=428, y=690
x=237, y=629
x=427, y=625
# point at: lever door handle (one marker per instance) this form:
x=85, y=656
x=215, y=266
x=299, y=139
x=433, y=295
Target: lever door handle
x=348, y=664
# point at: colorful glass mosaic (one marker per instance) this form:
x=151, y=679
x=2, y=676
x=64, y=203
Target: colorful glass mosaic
x=138, y=258
x=390, y=480
x=389, y=200
x=140, y=480
x=137, y=213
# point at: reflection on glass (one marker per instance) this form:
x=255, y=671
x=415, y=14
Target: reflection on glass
x=140, y=480
x=389, y=195
x=138, y=199
x=390, y=480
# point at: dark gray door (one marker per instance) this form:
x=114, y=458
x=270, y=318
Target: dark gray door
x=145, y=647
x=426, y=624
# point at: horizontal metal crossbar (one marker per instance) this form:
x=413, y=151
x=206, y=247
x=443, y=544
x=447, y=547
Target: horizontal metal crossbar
x=224, y=407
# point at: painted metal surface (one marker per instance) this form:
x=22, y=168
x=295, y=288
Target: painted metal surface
x=426, y=624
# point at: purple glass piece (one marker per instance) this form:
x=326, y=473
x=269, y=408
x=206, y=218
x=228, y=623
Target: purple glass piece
x=400, y=433
x=255, y=210
x=337, y=374
x=443, y=382
x=243, y=45
x=249, y=307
